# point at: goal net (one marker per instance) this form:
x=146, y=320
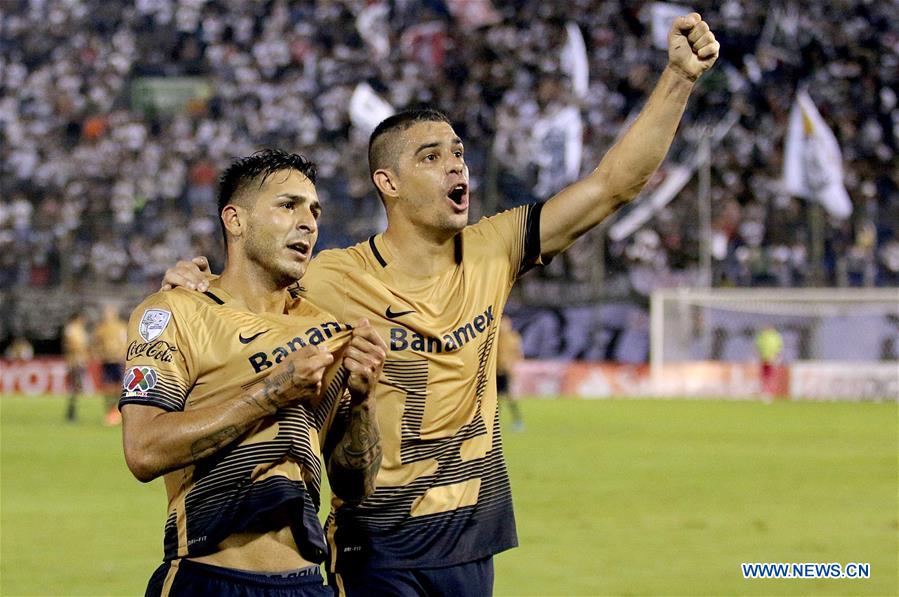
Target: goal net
x=837, y=342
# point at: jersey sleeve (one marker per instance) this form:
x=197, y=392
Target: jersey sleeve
x=517, y=233
x=158, y=366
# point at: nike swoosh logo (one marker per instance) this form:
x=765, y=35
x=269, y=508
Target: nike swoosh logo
x=251, y=338
x=393, y=314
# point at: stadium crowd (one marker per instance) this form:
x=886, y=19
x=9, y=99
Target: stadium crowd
x=101, y=184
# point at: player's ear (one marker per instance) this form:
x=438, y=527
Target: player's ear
x=232, y=217
x=385, y=180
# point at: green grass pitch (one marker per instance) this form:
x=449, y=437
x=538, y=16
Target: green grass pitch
x=612, y=498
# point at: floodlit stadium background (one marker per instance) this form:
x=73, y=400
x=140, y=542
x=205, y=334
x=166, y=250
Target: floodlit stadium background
x=117, y=117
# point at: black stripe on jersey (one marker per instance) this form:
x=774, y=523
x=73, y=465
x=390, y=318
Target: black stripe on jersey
x=215, y=298
x=167, y=394
x=484, y=351
x=170, y=540
x=393, y=535
x=383, y=527
x=532, y=240
x=265, y=505
x=412, y=378
x=225, y=499
x=374, y=250
x=332, y=394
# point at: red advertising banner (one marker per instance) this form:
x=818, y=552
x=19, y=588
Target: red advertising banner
x=43, y=376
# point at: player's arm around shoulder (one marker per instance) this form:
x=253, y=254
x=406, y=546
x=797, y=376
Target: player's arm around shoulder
x=628, y=165
x=159, y=434
x=353, y=450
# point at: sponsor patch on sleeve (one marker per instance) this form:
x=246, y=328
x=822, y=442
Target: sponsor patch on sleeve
x=153, y=323
x=139, y=380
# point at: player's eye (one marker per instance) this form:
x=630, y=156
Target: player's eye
x=459, y=153
x=430, y=157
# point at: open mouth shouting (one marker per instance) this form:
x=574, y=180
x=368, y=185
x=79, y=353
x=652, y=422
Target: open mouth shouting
x=458, y=197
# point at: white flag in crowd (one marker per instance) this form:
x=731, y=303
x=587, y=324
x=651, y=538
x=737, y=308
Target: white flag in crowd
x=558, y=142
x=574, y=60
x=372, y=24
x=661, y=15
x=367, y=108
x=813, y=164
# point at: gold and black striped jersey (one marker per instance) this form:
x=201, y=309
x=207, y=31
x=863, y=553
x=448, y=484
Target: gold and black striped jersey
x=189, y=350
x=442, y=495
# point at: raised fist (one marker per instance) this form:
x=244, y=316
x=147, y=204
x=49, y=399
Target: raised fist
x=692, y=48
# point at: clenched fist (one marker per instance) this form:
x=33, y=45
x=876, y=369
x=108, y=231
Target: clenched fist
x=692, y=48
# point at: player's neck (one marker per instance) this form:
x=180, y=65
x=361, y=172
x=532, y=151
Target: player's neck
x=253, y=287
x=419, y=252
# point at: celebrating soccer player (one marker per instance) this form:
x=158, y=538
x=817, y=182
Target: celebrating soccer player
x=435, y=288
x=233, y=394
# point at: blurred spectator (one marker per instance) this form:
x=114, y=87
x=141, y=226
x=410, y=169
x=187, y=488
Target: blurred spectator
x=509, y=353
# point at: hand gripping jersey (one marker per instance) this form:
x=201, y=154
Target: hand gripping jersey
x=189, y=350
x=442, y=494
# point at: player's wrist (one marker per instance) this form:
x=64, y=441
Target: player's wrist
x=681, y=74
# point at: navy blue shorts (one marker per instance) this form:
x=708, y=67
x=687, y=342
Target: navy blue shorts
x=113, y=373
x=473, y=579
x=183, y=578
x=502, y=383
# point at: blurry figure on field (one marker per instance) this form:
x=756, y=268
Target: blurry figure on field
x=76, y=346
x=508, y=354
x=769, y=344
x=19, y=349
x=111, y=338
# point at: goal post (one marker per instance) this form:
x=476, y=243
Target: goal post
x=832, y=329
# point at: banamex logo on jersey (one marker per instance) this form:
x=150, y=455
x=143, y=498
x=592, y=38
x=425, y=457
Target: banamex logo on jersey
x=153, y=323
x=140, y=380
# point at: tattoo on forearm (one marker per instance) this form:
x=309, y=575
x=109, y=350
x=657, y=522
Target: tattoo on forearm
x=356, y=458
x=212, y=443
x=265, y=398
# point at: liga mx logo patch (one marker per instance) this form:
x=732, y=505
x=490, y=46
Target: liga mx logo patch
x=153, y=323
x=140, y=379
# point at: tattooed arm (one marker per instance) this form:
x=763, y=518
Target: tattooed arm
x=157, y=441
x=354, y=455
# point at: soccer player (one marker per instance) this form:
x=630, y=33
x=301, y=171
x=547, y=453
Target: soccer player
x=769, y=344
x=233, y=394
x=508, y=352
x=111, y=338
x=76, y=347
x=435, y=287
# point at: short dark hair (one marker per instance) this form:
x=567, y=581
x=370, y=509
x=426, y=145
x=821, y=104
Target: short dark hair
x=258, y=167
x=380, y=152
